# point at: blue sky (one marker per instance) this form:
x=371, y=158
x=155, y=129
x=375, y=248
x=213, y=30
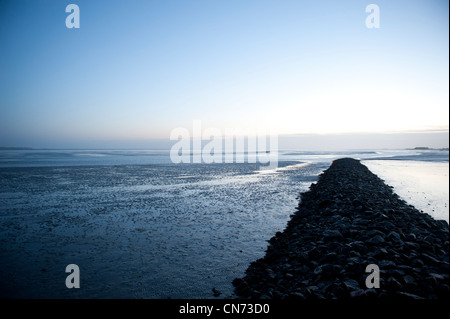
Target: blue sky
x=135, y=70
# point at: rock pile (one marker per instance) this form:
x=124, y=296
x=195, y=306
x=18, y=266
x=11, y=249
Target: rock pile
x=348, y=220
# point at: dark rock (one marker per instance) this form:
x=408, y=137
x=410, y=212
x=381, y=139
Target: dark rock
x=325, y=203
x=358, y=293
x=330, y=257
x=437, y=277
x=371, y=293
x=408, y=279
x=360, y=247
x=442, y=289
x=351, y=284
x=303, y=270
x=381, y=253
x=376, y=240
x=429, y=259
x=332, y=234
x=329, y=271
x=412, y=245
x=357, y=202
x=398, y=273
x=314, y=253
x=386, y=264
x=374, y=233
x=418, y=263
x=337, y=291
x=393, y=235
x=270, y=273
x=216, y=292
x=406, y=295
x=296, y=295
x=303, y=257
x=241, y=286
x=393, y=283
x=318, y=270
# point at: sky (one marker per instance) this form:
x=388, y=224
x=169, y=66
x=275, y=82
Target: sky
x=136, y=70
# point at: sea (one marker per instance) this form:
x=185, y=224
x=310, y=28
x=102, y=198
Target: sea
x=138, y=225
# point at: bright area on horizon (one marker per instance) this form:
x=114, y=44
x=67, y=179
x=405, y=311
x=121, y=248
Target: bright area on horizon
x=136, y=70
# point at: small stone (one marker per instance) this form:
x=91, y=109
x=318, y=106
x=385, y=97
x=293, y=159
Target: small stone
x=358, y=293
x=376, y=240
x=393, y=283
x=325, y=203
x=216, y=292
x=329, y=258
x=429, y=259
x=394, y=235
x=241, y=286
x=360, y=247
x=356, y=202
x=374, y=232
x=412, y=245
x=418, y=263
x=408, y=279
x=338, y=291
x=332, y=234
x=302, y=257
x=318, y=270
x=303, y=270
x=436, y=277
x=351, y=284
x=397, y=272
x=287, y=266
x=381, y=253
x=408, y=295
x=386, y=264
x=442, y=288
x=371, y=292
x=296, y=295
x=314, y=253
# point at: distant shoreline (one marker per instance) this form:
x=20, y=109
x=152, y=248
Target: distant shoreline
x=424, y=148
x=2, y=148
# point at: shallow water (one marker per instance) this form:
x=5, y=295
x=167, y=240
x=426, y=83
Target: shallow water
x=423, y=184
x=153, y=231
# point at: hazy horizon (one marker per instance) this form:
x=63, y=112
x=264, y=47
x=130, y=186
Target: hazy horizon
x=434, y=140
x=136, y=70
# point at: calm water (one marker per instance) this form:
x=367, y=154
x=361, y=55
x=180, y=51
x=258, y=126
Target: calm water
x=139, y=226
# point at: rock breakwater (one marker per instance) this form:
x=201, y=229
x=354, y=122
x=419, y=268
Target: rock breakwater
x=348, y=220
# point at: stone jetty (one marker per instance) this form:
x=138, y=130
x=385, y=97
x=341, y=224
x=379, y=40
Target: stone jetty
x=349, y=220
